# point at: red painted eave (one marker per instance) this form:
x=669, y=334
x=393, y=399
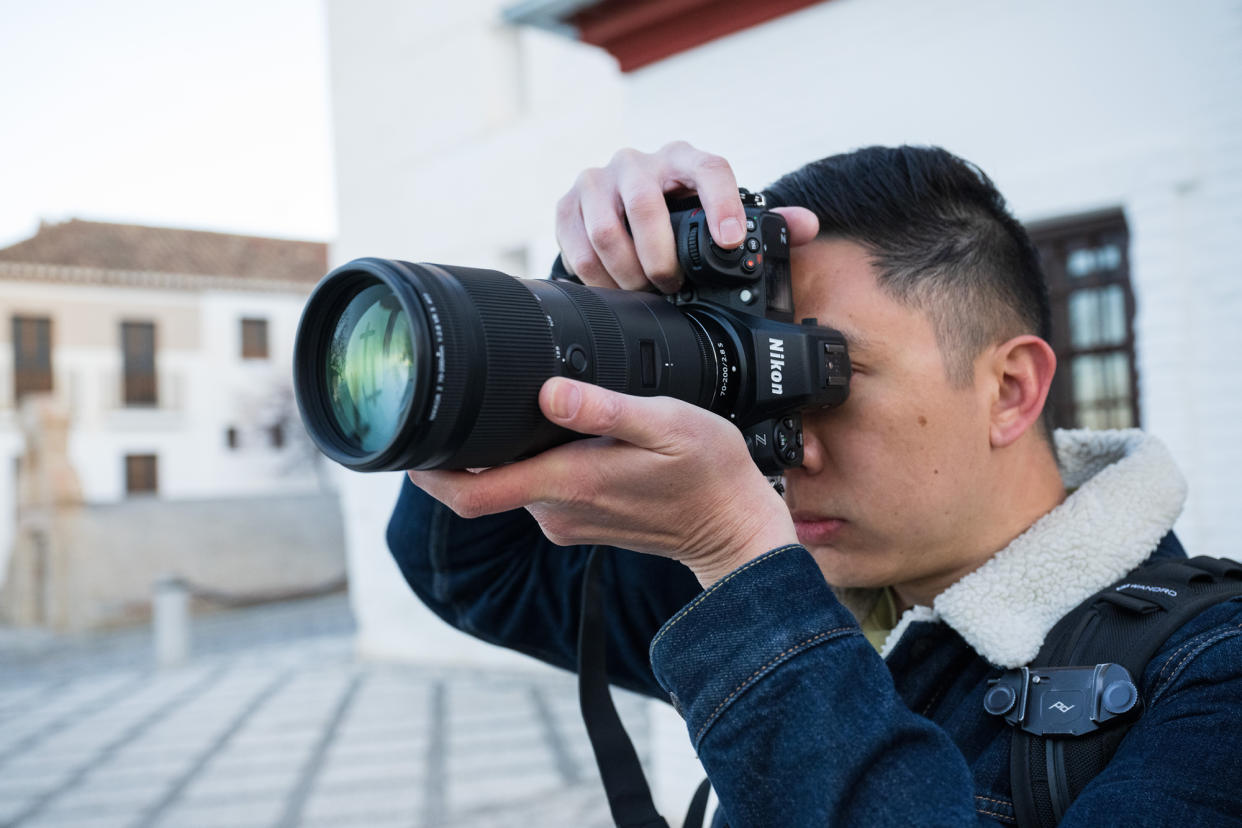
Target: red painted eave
x=641, y=32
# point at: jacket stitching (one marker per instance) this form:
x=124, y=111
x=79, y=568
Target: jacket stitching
x=1158, y=692
x=1001, y=817
x=1175, y=654
x=759, y=672
x=1004, y=802
x=716, y=586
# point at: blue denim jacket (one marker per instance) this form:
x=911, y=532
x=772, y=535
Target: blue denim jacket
x=796, y=718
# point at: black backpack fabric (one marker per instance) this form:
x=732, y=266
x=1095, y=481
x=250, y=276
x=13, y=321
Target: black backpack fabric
x=1124, y=624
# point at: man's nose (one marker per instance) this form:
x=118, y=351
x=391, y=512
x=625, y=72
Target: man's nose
x=812, y=449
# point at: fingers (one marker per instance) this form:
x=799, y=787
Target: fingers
x=577, y=254
x=488, y=492
x=657, y=424
x=653, y=423
x=803, y=224
x=652, y=229
x=602, y=211
x=712, y=178
x=591, y=226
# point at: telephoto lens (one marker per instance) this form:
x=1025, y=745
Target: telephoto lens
x=426, y=366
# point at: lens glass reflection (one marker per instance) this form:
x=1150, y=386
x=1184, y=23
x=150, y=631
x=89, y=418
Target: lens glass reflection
x=371, y=368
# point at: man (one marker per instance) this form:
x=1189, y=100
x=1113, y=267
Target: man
x=935, y=493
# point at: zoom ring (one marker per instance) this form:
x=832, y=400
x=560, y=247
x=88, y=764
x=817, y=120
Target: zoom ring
x=520, y=355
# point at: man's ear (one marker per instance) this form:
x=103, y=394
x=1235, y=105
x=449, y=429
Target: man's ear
x=1022, y=370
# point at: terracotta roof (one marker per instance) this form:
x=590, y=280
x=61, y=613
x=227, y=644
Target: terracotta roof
x=135, y=248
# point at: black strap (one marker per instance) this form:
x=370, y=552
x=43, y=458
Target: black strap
x=629, y=797
x=698, y=806
x=1126, y=624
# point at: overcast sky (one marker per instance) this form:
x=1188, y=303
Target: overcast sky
x=208, y=114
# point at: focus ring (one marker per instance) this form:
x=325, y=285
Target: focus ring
x=611, y=365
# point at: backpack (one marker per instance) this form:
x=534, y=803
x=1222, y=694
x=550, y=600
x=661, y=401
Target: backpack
x=1068, y=720
x=1069, y=708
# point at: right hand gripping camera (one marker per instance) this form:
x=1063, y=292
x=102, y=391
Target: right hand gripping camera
x=400, y=366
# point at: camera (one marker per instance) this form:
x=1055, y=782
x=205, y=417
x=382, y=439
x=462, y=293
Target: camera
x=421, y=366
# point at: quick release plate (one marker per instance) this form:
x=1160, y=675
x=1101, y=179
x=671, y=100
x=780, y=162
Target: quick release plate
x=1061, y=701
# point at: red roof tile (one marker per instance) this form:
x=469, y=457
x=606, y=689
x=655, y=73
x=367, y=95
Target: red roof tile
x=135, y=247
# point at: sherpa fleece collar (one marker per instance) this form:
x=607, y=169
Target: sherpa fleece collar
x=1126, y=494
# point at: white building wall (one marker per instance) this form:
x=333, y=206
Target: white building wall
x=249, y=395
x=455, y=136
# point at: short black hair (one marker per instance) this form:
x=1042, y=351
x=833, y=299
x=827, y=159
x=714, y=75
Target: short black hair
x=941, y=237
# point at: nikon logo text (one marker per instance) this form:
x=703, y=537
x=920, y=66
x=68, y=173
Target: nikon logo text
x=776, y=359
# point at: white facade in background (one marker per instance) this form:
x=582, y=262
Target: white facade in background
x=204, y=388
x=455, y=134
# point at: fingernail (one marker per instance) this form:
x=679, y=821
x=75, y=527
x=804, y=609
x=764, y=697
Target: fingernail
x=565, y=401
x=731, y=232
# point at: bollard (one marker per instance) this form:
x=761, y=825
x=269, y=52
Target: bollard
x=170, y=619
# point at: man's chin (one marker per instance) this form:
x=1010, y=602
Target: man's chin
x=849, y=570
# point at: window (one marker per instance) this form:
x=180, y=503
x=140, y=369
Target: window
x=32, y=355
x=141, y=474
x=1086, y=260
x=230, y=437
x=254, y=339
x=138, y=357
x=276, y=434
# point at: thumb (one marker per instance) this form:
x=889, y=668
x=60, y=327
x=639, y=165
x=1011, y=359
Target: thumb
x=647, y=422
x=803, y=224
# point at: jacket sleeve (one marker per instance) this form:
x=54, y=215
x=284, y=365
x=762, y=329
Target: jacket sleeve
x=795, y=716
x=499, y=579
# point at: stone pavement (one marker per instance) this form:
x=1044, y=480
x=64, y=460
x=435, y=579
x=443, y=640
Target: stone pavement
x=273, y=722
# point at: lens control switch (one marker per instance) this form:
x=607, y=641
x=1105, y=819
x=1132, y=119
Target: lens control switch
x=576, y=359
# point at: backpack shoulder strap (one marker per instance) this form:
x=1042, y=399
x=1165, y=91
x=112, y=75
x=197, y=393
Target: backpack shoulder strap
x=1123, y=625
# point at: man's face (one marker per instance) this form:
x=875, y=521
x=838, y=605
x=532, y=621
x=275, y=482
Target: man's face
x=887, y=493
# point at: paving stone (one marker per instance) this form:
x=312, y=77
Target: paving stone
x=99, y=799
x=74, y=819
x=378, y=751
x=391, y=773
x=276, y=782
x=242, y=813
x=344, y=743
x=366, y=804
x=12, y=804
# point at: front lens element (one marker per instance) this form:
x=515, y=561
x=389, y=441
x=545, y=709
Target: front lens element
x=371, y=368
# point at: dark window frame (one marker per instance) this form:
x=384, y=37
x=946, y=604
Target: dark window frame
x=1056, y=239
x=32, y=372
x=139, y=376
x=255, y=338
x=142, y=475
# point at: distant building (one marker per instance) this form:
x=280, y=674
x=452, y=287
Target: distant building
x=169, y=351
